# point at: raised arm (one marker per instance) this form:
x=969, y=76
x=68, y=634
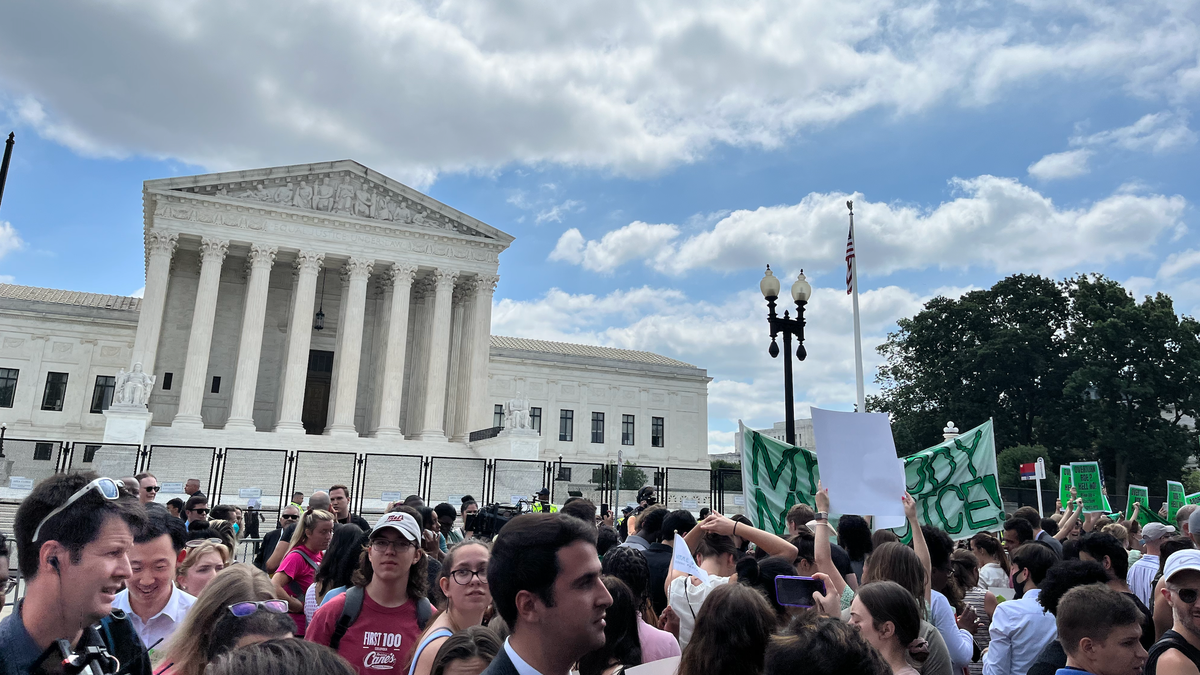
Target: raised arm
x=918, y=541
x=772, y=544
x=692, y=539
x=821, y=549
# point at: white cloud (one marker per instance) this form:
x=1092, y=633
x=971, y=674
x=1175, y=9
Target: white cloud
x=9, y=239
x=138, y=293
x=1061, y=165
x=556, y=212
x=994, y=222
x=415, y=88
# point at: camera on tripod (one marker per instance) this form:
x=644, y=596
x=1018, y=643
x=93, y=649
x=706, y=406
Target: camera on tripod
x=487, y=521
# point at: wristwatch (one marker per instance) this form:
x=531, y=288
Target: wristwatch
x=822, y=515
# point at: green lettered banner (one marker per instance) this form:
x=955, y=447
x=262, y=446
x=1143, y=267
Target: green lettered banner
x=954, y=483
x=1175, y=499
x=1086, y=478
x=1138, y=494
x=1193, y=498
x=1064, y=484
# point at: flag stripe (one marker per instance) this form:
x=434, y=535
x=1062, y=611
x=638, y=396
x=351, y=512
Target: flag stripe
x=849, y=259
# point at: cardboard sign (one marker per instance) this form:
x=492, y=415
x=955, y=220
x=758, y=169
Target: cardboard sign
x=1086, y=478
x=858, y=462
x=684, y=562
x=1193, y=498
x=1175, y=499
x=1064, y=484
x=1138, y=494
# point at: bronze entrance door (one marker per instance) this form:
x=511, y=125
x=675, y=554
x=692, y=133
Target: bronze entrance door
x=316, y=391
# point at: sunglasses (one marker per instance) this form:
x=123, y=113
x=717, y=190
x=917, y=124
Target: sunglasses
x=152, y=488
x=243, y=609
x=287, y=517
x=107, y=488
x=1188, y=595
x=203, y=512
x=197, y=542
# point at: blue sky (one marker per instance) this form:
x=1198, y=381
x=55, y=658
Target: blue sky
x=650, y=159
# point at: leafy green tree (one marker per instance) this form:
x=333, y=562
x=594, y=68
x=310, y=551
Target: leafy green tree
x=1009, y=461
x=632, y=478
x=731, y=477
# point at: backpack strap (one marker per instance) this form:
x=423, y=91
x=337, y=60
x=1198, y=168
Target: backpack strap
x=293, y=587
x=354, y=603
x=424, y=611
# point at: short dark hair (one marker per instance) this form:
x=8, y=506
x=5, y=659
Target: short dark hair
x=1067, y=575
x=1036, y=558
x=651, y=520
x=194, y=501
x=281, y=657
x=159, y=523
x=889, y=601
x=76, y=526
x=629, y=565
x=940, y=547
x=1022, y=527
x=176, y=502
x=143, y=475
x=854, y=535
x=819, y=645
x=1050, y=526
x=1093, y=611
x=1029, y=515
x=479, y=642
x=800, y=515
x=583, y=509
x=525, y=558
x=340, y=487
x=606, y=539
x=444, y=510
x=677, y=522
x=1098, y=545
x=223, y=512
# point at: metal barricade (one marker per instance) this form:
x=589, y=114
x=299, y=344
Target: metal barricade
x=512, y=478
x=253, y=470
x=589, y=480
x=387, y=478
x=173, y=465
x=689, y=489
x=115, y=460
x=727, y=484
x=449, y=478
x=314, y=470
x=26, y=463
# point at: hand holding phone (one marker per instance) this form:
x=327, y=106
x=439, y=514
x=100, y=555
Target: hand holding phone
x=797, y=591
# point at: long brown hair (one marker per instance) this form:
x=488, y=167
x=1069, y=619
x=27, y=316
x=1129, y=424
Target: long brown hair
x=991, y=545
x=187, y=648
x=732, y=630
x=896, y=562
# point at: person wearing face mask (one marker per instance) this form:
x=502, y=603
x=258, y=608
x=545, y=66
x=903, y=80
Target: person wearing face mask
x=299, y=567
x=1021, y=627
x=463, y=581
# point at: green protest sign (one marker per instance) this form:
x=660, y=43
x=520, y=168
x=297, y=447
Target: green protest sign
x=1085, y=476
x=1174, y=499
x=1064, y=484
x=1138, y=494
x=1193, y=498
x=1107, y=506
x=954, y=483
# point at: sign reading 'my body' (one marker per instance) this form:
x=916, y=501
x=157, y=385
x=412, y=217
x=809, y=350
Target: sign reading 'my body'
x=954, y=483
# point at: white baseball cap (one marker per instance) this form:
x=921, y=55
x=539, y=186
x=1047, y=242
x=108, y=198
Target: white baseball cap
x=1187, y=559
x=401, y=522
x=1155, y=531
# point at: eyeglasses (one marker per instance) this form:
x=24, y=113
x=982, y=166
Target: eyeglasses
x=289, y=517
x=242, y=609
x=1188, y=595
x=152, y=488
x=107, y=488
x=464, y=577
x=381, y=545
x=197, y=542
x=203, y=512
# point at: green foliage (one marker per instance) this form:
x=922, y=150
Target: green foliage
x=1191, y=481
x=1079, y=367
x=1009, y=461
x=632, y=478
x=731, y=478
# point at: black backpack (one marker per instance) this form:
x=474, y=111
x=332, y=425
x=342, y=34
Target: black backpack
x=354, y=603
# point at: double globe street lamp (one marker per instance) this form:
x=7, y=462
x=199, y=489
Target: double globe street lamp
x=801, y=292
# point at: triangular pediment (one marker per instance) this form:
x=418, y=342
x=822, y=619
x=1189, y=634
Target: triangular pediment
x=339, y=189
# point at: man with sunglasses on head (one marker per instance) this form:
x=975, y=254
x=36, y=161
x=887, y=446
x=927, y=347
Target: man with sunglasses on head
x=375, y=624
x=73, y=533
x=154, y=605
x=1178, y=650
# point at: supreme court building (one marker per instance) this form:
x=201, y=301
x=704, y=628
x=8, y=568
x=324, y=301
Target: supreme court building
x=324, y=306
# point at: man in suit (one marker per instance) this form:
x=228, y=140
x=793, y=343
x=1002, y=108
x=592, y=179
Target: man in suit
x=544, y=575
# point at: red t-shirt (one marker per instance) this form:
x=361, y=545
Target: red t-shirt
x=381, y=639
x=303, y=574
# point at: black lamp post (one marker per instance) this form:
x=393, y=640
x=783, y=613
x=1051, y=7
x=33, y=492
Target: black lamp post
x=801, y=292
x=319, y=319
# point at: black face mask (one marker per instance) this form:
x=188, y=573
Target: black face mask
x=1019, y=586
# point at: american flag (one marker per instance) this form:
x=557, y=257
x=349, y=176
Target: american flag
x=850, y=260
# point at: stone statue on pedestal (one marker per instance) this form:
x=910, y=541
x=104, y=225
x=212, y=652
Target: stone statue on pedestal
x=133, y=387
x=516, y=414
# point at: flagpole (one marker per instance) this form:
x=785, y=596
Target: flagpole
x=858, y=362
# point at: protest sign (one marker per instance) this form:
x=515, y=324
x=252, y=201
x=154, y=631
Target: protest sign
x=1138, y=494
x=858, y=462
x=1064, y=484
x=1085, y=476
x=684, y=562
x=1193, y=498
x=1174, y=499
x=954, y=482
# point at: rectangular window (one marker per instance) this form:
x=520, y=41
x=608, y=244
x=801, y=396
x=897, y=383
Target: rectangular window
x=597, y=427
x=103, y=393
x=657, y=432
x=498, y=416
x=8, y=386
x=166, y=385
x=43, y=451
x=535, y=419
x=89, y=453
x=626, y=429
x=56, y=392
x=216, y=386
x=566, y=425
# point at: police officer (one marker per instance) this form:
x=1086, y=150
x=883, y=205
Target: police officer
x=543, y=505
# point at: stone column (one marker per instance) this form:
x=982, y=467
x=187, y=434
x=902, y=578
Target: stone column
x=439, y=354
x=295, y=371
x=423, y=293
x=452, y=404
x=461, y=384
x=245, y=379
x=160, y=246
x=349, y=345
x=195, y=369
x=481, y=413
x=395, y=337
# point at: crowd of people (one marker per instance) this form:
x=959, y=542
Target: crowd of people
x=137, y=587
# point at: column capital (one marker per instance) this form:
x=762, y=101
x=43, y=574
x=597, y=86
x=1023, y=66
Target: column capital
x=213, y=250
x=161, y=242
x=309, y=261
x=485, y=284
x=424, y=287
x=444, y=278
x=461, y=293
x=261, y=256
x=402, y=273
x=359, y=268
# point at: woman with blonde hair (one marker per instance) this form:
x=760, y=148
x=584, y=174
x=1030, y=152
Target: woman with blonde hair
x=299, y=567
x=463, y=581
x=204, y=559
x=186, y=653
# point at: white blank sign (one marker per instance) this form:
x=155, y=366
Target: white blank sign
x=858, y=462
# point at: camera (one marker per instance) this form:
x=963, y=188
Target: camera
x=488, y=521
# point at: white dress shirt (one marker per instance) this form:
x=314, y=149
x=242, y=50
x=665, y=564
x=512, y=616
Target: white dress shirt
x=1020, y=628
x=959, y=642
x=161, y=625
x=992, y=574
x=1141, y=577
x=518, y=662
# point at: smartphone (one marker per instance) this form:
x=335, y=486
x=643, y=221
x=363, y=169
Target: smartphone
x=797, y=591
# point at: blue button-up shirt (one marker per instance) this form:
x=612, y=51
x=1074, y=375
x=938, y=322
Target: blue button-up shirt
x=18, y=651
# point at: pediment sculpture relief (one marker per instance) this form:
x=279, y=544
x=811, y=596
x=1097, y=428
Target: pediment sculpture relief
x=345, y=194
